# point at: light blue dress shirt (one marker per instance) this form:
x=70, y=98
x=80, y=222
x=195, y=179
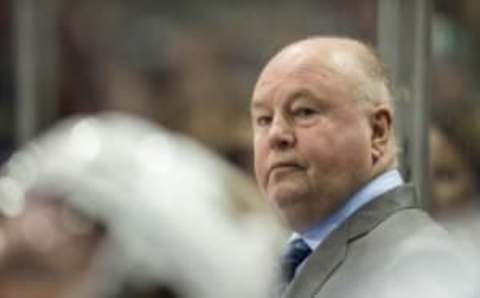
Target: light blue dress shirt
x=381, y=184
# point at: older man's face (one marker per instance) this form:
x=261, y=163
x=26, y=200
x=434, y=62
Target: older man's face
x=312, y=143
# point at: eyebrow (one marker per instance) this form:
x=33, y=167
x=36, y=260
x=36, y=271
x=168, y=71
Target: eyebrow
x=257, y=104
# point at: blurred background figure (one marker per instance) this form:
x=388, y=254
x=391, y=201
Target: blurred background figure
x=455, y=172
x=454, y=134
x=114, y=206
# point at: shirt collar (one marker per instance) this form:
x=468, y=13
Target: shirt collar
x=381, y=184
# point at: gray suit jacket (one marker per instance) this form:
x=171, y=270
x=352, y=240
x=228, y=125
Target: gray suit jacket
x=388, y=248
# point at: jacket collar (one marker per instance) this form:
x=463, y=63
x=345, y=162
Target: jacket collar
x=330, y=254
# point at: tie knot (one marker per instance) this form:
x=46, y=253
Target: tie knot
x=297, y=251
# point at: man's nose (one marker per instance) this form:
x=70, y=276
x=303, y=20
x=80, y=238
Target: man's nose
x=281, y=135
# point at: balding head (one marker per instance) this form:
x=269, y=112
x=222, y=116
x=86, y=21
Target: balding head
x=352, y=61
x=322, y=117
x=348, y=58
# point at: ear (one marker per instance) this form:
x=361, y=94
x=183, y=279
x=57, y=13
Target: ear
x=381, y=128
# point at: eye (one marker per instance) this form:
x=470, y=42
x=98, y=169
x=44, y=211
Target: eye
x=263, y=120
x=304, y=112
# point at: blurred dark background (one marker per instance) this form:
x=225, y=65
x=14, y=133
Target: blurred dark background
x=190, y=65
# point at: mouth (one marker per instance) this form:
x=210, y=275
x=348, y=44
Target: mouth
x=282, y=168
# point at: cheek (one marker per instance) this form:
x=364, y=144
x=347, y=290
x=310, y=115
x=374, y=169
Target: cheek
x=356, y=148
x=321, y=157
x=355, y=142
x=336, y=152
x=258, y=169
x=259, y=160
x=319, y=147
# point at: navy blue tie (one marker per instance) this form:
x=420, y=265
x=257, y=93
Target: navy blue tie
x=297, y=251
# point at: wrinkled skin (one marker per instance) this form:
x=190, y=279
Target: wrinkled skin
x=314, y=145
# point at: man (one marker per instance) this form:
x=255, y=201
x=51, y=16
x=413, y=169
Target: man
x=325, y=157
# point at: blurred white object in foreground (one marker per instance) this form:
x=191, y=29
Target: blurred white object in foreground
x=174, y=213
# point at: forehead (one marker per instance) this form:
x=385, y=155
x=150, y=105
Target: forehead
x=300, y=71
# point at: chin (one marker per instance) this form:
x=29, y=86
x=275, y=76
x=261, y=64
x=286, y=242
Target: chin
x=297, y=217
x=287, y=192
x=298, y=210
x=286, y=197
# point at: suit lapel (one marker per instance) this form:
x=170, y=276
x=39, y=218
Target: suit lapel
x=373, y=213
x=330, y=254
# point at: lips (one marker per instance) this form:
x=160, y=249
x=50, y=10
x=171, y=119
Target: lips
x=283, y=167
